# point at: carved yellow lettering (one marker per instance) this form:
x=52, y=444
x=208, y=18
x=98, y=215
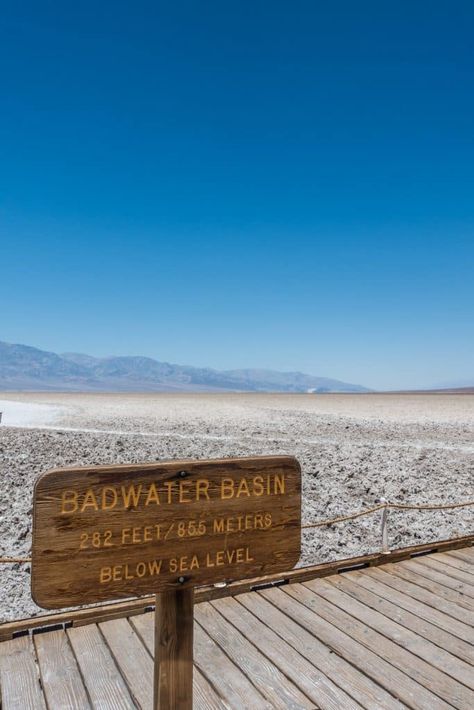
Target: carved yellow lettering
x=183, y=490
x=194, y=562
x=243, y=488
x=258, y=486
x=69, y=502
x=153, y=495
x=90, y=501
x=279, y=484
x=230, y=525
x=109, y=498
x=202, y=489
x=154, y=567
x=227, y=488
x=268, y=520
x=169, y=489
x=126, y=535
x=141, y=569
x=209, y=562
x=147, y=533
x=131, y=496
x=218, y=525
x=173, y=564
x=105, y=575
x=117, y=573
x=220, y=558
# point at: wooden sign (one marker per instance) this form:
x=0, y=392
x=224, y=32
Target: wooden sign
x=110, y=532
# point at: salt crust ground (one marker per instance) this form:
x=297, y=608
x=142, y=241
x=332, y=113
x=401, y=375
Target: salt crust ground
x=353, y=449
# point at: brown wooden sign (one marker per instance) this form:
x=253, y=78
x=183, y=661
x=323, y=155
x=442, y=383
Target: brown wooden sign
x=110, y=532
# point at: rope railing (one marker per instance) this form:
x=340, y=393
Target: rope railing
x=386, y=506
x=343, y=518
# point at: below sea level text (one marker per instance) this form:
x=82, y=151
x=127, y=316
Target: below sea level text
x=175, y=565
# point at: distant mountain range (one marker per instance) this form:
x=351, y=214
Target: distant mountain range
x=26, y=368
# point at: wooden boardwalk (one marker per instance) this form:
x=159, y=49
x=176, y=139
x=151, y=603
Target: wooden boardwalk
x=392, y=636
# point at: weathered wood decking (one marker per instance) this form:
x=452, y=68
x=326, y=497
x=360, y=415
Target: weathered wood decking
x=391, y=636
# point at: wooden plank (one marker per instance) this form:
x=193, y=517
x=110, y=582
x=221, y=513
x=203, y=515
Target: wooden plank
x=205, y=698
x=232, y=686
x=228, y=680
x=456, y=562
x=466, y=554
x=112, y=532
x=413, y=627
x=133, y=660
x=452, y=610
x=173, y=653
x=316, y=686
x=368, y=650
x=414, y=656
x=371, y=681
x=452, y=571
x=271, y=682
x=421, y=567
x=104, y=684
x=204, y=695
x=60, y=675
x=19, y=679
x=106, y=611
x=461, y=632
x=429, y=582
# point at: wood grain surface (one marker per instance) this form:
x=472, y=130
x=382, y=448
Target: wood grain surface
x=174, y=626
x=112, y=532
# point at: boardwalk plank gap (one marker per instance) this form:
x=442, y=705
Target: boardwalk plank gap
x=415, y=656
x=432, y=571
x=62, y=682
x=459, y=636
x=338, y=641
x=432, y=585
x=406, y=620
x=295, y=666
x=456, y=562
x=429, y=599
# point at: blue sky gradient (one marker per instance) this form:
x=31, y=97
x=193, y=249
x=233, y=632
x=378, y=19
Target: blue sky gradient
x=242, y=184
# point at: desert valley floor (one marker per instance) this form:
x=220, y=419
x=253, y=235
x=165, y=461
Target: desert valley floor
x=353, y=450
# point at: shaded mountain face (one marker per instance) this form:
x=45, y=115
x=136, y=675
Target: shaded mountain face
x=26, y=368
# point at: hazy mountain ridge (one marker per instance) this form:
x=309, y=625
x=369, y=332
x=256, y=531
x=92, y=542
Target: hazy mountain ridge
x=23, y=367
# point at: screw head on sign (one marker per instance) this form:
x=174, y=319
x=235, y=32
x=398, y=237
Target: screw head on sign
x=182, y=474
x=181, y=580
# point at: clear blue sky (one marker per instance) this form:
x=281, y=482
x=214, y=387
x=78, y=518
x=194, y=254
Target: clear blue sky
x=269, y=184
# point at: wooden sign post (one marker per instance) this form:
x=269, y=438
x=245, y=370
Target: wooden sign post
x=174, y=622
x=109, y=532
